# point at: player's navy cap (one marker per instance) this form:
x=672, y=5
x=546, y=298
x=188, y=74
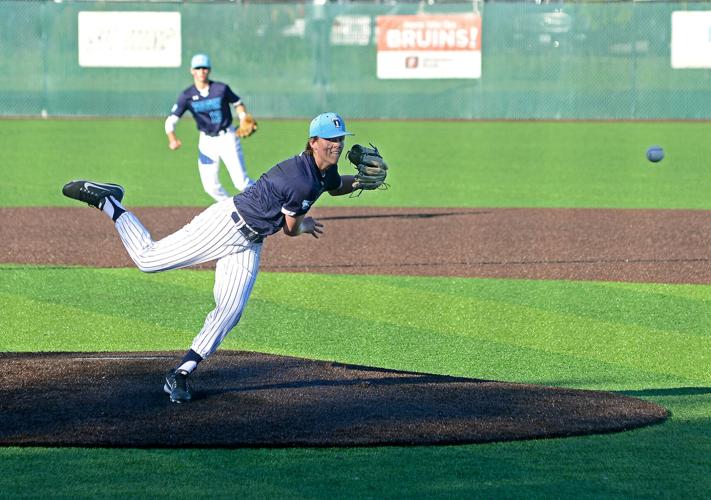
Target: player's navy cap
x=200, y=61
x=328, y=126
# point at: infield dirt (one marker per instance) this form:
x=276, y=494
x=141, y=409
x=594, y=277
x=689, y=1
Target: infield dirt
x=658, y=246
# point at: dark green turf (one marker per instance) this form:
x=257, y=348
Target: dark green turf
x=472, y=164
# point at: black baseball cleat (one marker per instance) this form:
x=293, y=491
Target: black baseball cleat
x=92, y=193
x=177, y=384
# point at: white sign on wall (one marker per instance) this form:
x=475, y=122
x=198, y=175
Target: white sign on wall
x=691, y=39
x=429, y=46
x=129, y=39
x=351, y=30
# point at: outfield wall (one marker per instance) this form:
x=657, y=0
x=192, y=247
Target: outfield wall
x=552, y=61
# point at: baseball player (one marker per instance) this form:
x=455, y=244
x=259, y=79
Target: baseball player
x=209, y=102
x=232, y=231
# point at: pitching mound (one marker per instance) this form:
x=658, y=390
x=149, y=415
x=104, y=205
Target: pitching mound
x=245, y=399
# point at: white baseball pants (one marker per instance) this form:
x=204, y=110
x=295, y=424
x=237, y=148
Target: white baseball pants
x=227, y=147
x=211, y=235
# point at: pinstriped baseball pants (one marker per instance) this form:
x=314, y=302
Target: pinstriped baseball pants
x=211, y=235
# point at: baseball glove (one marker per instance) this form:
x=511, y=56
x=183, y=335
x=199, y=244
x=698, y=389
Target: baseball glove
x=247, y=126
x=372, y=169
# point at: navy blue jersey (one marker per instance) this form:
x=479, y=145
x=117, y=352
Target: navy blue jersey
x=212, y=113
x=290, y=187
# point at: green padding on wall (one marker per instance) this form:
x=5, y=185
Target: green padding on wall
x=550, y=61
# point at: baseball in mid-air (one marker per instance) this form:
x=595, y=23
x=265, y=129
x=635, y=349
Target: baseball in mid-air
x=655, y=154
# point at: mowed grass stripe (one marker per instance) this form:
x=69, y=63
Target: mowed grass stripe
x=374, y=343
x=673, y=308
x=628, y=345
x=465, y=164
x=36, y=325
x=386, y=320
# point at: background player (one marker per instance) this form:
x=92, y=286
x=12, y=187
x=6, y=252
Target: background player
x=232, y=231
x=209, y=102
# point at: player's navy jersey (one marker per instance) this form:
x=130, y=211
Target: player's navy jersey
x=290, y=187
x=212, y=113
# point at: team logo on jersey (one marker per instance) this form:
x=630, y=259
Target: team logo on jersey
x=306, y=204
x=196, y=97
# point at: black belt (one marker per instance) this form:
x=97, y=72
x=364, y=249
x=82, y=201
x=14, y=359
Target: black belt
x=247, y=232
x=218, y=133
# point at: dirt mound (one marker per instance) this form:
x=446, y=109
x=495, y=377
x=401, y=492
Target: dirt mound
x=246, y=399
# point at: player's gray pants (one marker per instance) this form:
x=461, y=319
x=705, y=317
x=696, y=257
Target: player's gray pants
x=211, y=235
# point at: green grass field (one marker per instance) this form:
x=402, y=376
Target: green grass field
x=646, y=340
x=457, y=164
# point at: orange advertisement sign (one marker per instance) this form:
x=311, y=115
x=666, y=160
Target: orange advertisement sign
x=429, y=46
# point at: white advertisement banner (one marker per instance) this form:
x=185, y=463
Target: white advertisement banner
x=129, y=39
x=429, y=46
x=691, y=39
x=350, y=30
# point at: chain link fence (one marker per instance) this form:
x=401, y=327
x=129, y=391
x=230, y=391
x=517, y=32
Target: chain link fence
x=538, y=60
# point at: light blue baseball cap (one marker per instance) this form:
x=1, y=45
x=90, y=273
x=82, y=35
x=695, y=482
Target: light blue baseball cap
x=200, y=61
x=328, y=126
